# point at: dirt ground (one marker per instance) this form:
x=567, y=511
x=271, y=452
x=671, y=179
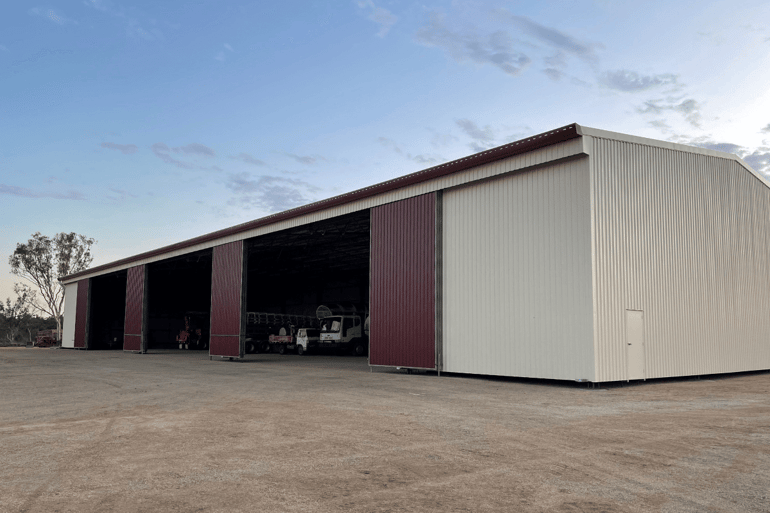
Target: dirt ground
x=173, y=431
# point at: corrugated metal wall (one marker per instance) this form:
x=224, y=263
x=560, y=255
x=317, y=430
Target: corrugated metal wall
x=134, y=325
x=82, y=313
x=685, y=239
x=226, y=299
x=402, y=309
x=70, y=307
x=517, y=275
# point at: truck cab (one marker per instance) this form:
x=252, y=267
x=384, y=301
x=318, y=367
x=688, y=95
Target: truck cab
x=343, y=331
x=307, y=338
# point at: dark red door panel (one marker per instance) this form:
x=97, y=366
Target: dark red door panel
x=226, y=295
x=403, y=288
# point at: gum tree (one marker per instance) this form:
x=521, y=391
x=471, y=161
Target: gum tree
x=41, y=261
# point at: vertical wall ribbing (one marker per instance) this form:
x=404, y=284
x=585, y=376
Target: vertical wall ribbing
x=82, y=313
x=227, y=299
x=135, y=304
x=403, y=315
x=517, y=275
x=684, y=238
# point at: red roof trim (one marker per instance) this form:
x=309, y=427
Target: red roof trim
x=501, y=152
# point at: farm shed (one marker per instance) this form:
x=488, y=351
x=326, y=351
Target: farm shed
x=576, y=254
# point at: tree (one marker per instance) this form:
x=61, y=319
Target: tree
x=42, y=261
x=13, y=315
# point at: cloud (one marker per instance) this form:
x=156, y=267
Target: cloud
x=389, y=143
x=483, y=139
x=381, y=16
x=495, y=49
x=99, y=5
x=553, y=73
x=724, y=147
x=305, y=159
x=440, y=140
x=248, y=159
x=228, y=47
x=23, y=192
x=270, y=193
x=4, y=48
x=759, y=160
x=122, y=194
x=163, y=152
x=426, y=159
x=126, y=149
x=195, y=149
x=136, y=31
x=52, y=15
x=689, y=109
x=553, y=37
x=631, y=81
x=766, y=129
x=660, y=124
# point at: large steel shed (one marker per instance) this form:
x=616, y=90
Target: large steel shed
x=576, y=254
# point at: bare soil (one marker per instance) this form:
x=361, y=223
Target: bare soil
x=174, y=431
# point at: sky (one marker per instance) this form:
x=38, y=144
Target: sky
x=141, y=124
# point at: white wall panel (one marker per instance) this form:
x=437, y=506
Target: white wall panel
x=557, y=151
x=70, y=306
x=683, y=237
x=517, y=291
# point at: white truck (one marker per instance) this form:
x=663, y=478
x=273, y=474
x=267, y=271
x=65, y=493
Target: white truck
x=307, y=339
x=342, y=330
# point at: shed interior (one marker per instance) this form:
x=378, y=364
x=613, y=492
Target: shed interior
x=293, y=271
x=108, y=309
x=178, y=291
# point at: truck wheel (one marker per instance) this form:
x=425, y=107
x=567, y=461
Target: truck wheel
x=359, y=349
x=281, y=349
x=300, y=350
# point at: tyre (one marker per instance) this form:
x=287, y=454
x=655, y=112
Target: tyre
x=300, y=350
x=281, y=349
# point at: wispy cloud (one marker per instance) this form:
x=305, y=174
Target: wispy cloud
x=221, y=56
x=52, y=15
x=126, y=149
x=163, y=152
x=100, y=5
x=23, y=192
x=248, y=159
x=381, y=16
x=305, y=159
x=689, y=109
x=122, y=194
x=766, y=129
x=552, y=37
x=419, y=159
x=495, y=49
x=195, y=149
x=630, y=81
x=4, y=48
x=270, y=193
x=483, y=138
x=389, y=143
x=137, y=30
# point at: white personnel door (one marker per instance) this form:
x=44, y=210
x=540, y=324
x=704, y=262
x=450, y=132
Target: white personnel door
x=635, y=344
